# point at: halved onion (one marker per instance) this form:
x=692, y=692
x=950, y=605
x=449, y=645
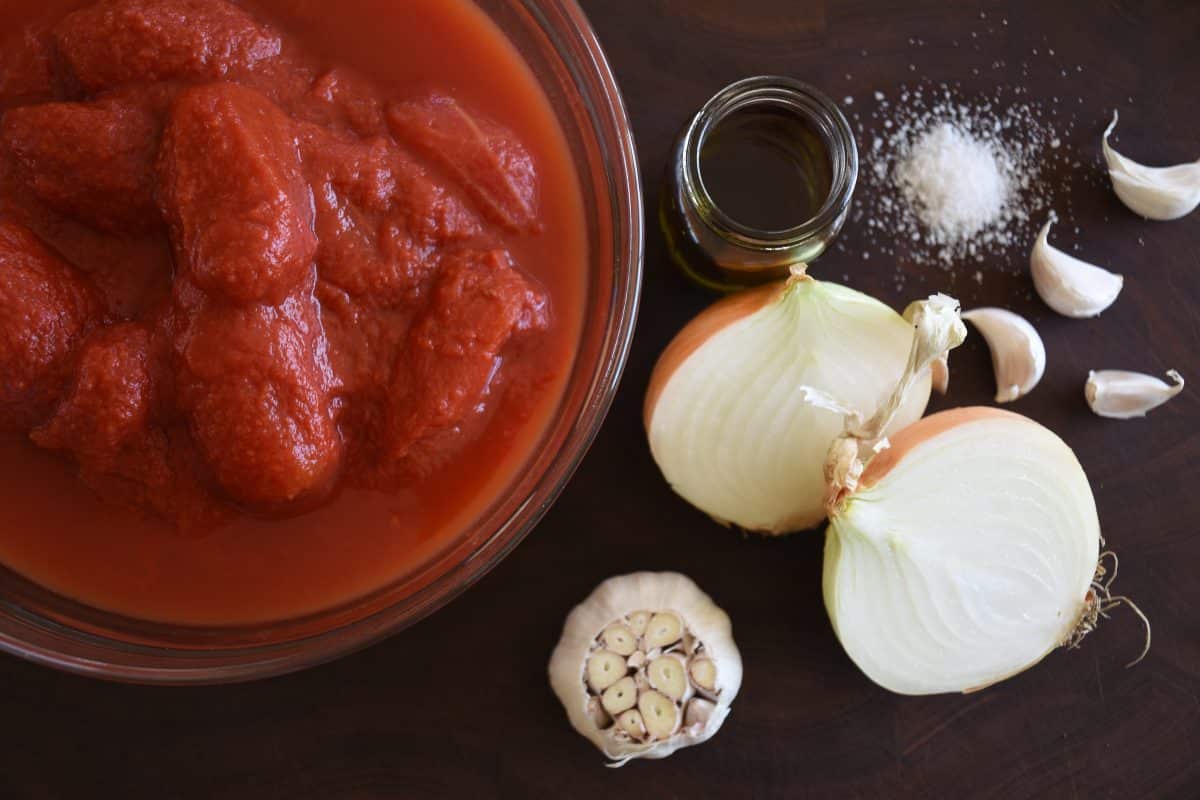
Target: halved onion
x=745, y=402
x=966, y=553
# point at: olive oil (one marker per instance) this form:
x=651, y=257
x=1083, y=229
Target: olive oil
x=760, y=180
x=766, y=168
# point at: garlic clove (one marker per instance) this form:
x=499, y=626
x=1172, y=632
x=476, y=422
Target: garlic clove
x=664, y=629
x=639, y=715
x=1018, y=354
x=621, y=696
x=1158, y=193
x=699, y=711
x=1125, y=395
x=599, y=716
x=604, y=669
x=620, y=640
x=631, y=723
x=704, y=674
x=659, y=713
x=669, y=676
x=1072, y=287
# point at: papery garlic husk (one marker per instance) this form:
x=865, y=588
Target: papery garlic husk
x=670, y=704
x=1072, y=287
x=939, y=370
x=965, y=555
x=1117, y=394
x=937, y=329
x=744, y=403
x=1158, y=193
x=1018, y=353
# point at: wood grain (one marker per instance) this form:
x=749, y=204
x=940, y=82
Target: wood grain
x=460, y=707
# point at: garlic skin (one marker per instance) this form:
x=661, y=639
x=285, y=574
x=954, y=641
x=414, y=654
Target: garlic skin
x=705, y=641
x=939, y=370
x=1157, y=193
x=1117, y=394
x=744, y=403
x=966, y=554
x=937, y=328
x=1018, y=353
x=1071, y=287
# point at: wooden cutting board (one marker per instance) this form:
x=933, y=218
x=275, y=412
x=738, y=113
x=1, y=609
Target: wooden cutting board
x=459, y=706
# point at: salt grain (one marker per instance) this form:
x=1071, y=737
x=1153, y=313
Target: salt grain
x=957, y=184
x=951, y=180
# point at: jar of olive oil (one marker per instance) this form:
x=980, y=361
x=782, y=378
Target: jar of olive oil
x=760, y=180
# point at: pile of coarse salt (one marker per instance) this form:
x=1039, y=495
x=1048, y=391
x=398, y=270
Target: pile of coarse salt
x=959, y=186
x=952, y=180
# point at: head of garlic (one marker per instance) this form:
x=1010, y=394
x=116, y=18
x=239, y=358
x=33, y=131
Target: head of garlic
x=1072, y=287
x=744, y=403
x=646, y=665
x=1158, y=193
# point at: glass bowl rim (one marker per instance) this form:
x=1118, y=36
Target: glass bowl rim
x=200, y=666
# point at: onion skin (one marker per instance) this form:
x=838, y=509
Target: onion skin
x=920, y=431
x=713, y=319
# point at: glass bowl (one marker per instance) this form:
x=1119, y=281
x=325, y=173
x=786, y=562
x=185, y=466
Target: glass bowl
x=560, y=47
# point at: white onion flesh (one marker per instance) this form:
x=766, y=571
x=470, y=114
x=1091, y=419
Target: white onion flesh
x=732, y=413
x=965, y=556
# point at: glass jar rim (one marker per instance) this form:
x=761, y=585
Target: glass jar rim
x=800, y=98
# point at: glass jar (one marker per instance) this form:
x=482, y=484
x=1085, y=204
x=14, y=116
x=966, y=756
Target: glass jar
x=722, y=253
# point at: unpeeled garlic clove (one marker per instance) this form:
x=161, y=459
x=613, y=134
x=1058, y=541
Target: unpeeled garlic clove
x=1018, y=354
x=1158, y=193
x=1071, y=287
x=1117, y=394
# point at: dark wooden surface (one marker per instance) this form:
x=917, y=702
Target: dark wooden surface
x=459, y=706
